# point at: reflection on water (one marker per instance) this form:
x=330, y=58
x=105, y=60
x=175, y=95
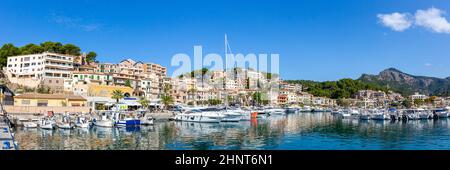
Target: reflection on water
x=292, y=132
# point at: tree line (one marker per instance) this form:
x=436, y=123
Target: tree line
x=343, y=88
x=9, y=49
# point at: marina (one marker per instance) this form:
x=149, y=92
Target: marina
x=288, y=131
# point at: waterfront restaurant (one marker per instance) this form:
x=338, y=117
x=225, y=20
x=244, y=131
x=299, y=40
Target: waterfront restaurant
x=49, y=100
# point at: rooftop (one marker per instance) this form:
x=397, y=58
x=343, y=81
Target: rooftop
x=49, y=96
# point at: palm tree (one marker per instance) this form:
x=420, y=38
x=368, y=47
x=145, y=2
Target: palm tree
x=192, y=92
x=166, y=100
x=204, y=71
x=144, y=102
x=117, y=94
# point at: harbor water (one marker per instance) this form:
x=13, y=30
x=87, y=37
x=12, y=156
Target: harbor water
x=300, y=131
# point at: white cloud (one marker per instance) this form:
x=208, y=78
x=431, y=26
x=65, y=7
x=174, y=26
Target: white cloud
x=428, y=65
x=396, y=21
x=433, y=19
x=77, y=23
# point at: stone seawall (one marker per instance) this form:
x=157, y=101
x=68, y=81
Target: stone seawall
x=26, y=110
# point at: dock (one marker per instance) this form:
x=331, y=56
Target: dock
x=7, y=141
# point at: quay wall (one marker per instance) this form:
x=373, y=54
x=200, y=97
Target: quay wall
x=24, y=110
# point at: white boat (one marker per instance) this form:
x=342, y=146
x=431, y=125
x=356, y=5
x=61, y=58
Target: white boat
x=30, y=125
x=146, y=119
x=202, y=115
x=273, y=111
x=380, y=116
x=231, y=116
x=364, y=117
x=82, y=122
x=441, y=113
x=344, y=113
x=105, y=120
x=65, y=123
x=415, y=114
x=47, y=123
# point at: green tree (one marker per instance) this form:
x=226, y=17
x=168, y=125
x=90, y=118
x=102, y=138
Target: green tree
x=204, y=71
x=128, y=83
x=117, y=94
x=144, y=102
x=31, y=49
x=53, y=47
x=70, y=49
x=343, y=102
x=91, y=57
x=167, y=100
x=419, y=102
x=406, y=103
x=6, y=51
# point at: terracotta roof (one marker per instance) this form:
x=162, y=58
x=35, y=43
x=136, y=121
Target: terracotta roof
x=49, y=96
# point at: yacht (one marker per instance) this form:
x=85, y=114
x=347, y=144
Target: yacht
x=441, y=113
x=416, y=114
x=208, y=115
x=231, y=115
x=275, y=111
x=379, y=115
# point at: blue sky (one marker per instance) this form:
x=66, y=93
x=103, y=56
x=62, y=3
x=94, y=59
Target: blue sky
x=316, y=39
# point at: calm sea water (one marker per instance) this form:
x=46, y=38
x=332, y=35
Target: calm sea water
x=302, y=131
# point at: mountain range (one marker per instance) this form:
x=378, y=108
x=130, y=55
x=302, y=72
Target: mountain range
x=408, y=84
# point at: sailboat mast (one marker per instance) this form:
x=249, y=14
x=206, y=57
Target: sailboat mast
x=225, y=71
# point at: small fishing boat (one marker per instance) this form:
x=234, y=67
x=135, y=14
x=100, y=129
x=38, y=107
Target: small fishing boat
x=82, y=122
x=105, y=120
x=126, y=119
x=65, y=123
x=30, y=125
x=47, y=123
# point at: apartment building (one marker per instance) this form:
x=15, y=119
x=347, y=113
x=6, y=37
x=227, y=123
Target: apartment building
x=49, y=69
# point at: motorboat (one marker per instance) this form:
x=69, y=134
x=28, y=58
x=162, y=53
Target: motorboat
x=47, y=123
x=416, y=114
x=200, y=115
x=29, y=123
x=231, y=116
x=441, y=113
x=344, y=113
x=275, y=111
x=65, y=123
x=291, y=110
x=126, y=119
x=82, y=122
x=105, y=120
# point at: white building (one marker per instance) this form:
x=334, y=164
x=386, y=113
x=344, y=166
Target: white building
x=50, y=69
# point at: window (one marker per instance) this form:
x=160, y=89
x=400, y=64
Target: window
x=57, y=81
x=42, y=103
x=49, y=81
x=25, y=102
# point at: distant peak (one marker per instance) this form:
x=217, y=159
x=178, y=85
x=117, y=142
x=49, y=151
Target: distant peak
x=392, y=69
